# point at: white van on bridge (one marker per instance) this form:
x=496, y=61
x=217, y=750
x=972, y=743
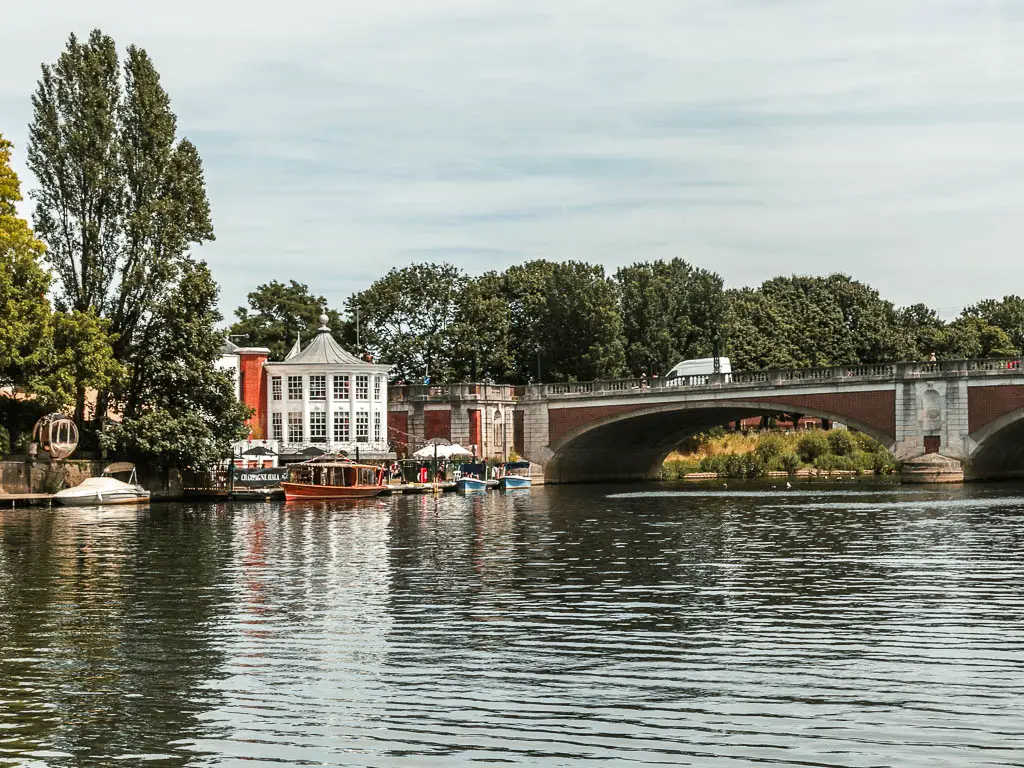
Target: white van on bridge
x=702, y=367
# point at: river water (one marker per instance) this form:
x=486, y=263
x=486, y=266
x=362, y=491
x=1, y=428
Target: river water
x=841, y=625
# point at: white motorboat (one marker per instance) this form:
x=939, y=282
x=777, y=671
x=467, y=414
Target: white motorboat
x=105, y=489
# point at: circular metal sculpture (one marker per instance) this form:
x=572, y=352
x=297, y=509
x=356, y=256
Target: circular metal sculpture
x=56, y=434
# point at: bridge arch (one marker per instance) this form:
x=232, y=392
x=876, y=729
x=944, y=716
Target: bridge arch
x=998, y=448
x=631, y=445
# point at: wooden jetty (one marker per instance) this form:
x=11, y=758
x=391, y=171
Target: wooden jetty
x=11, y=500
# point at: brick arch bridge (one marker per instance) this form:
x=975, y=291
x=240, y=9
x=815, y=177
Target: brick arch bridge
x=968, y=410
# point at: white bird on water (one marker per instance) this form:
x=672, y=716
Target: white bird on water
x=788, y=484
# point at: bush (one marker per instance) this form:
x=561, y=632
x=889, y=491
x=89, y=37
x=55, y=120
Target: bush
x=867, y=444
x=770, y=447
x=677, y=470
x=716, y=462
x=841, y=442
x=734, y=465
x=812, y=446
x=883, y=462
x=788, y=462
x=5, y=442
x=830, y=463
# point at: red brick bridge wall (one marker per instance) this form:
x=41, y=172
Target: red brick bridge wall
x=985, y=404
x=873, y=409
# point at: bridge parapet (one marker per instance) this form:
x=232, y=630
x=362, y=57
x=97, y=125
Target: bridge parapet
x=847, y=374
x=400, y=393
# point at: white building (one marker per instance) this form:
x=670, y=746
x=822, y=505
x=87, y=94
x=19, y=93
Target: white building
x=324, y=397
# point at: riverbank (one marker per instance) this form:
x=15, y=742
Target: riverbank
x=22, y=475
x=832, y=453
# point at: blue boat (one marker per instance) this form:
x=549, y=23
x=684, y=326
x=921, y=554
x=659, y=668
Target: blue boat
x=467, y=484
x=516, y=475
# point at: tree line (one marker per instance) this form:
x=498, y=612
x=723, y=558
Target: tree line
x=130, y=341
x=558, y=321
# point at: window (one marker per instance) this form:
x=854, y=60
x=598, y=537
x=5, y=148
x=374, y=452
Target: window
x=317, y=387
x=362, y=425
x=341, y=434
x=294, y=387
x=294, y=427
x=362, y=387
x=318, y=426
x=277, y=428
x=376, y=426
x=341, y=387
x=376, y=387
x=275, y=387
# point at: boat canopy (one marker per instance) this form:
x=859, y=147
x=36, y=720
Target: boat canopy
x=334, y=473
x=119, y=466
x=517, y=465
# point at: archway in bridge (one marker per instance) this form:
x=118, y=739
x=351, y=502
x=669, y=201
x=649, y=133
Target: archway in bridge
x=633, y=446
x=999, y=451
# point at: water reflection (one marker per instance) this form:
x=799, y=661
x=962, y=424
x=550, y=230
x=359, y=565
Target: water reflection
x=106, y=621
x=839, y=626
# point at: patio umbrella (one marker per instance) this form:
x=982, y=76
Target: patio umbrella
x=312, y=451
x=441, y=451
x=258, y=450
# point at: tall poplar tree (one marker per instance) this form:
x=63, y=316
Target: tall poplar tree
x=121, y=202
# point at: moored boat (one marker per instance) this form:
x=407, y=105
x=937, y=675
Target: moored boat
x=333, y=477
x=105, y=489
x=470, y=483
x=516, y=475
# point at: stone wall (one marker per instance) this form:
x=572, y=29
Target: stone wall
x=22, y=476
x=45, y=476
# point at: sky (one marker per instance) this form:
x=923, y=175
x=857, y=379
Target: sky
x=750, y=137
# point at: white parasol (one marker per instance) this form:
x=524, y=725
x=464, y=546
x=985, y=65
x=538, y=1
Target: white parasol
x=441, y=451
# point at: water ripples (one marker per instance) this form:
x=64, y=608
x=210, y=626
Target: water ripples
x=815, y=626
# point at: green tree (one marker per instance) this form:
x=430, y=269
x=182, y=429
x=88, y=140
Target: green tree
x=922, y=329
x=279, y=313
x=183, y=410
x=973, y=337
x=482, y=331
x=25, y=314
x=45, y=355
x=121, y=200
x=670, y=311
x=565, y=319
x=80, y=356
x=408, y=317
x=73, y=152
x=1006, y=313
x=802, y=321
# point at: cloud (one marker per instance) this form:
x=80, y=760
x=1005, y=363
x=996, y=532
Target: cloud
x=754, y=138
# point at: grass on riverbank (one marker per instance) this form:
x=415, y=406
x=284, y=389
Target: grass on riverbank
x=731, y=454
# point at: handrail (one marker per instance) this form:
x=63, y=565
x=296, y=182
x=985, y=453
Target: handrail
x=780, y=377
x=769, y=378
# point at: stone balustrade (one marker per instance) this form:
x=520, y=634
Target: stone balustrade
x=872, y=372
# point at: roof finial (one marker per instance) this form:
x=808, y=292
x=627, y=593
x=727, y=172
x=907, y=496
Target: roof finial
x=323, y=322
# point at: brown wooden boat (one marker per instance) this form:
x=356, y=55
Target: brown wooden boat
x=331, y=477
